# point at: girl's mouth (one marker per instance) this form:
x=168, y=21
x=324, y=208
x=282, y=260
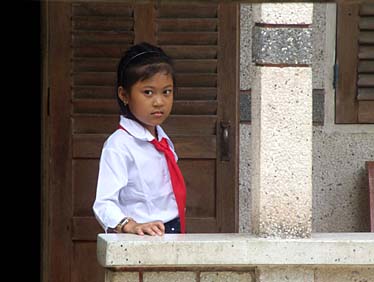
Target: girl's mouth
x=158, y=114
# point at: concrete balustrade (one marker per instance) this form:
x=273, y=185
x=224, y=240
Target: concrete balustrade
x=282, y=246
x=232, y=257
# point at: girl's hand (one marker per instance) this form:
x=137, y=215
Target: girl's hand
x=151, y=228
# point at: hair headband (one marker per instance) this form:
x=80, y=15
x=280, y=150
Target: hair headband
x=137, y=55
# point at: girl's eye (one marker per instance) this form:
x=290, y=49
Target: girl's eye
x=168, y=91
x=148, y=92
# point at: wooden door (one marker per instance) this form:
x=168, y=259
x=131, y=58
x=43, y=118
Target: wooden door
x=85, y=41
x=355, y=62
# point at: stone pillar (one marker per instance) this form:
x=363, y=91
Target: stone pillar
x=282, y=129
x=282, y=120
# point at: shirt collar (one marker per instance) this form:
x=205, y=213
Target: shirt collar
x=138, y=131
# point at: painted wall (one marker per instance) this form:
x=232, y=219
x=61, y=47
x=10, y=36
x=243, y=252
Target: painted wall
x=340, y=189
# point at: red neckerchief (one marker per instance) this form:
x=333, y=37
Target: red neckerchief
x=177, y=180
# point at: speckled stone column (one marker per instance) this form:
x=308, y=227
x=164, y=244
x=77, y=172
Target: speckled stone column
x=282, y=120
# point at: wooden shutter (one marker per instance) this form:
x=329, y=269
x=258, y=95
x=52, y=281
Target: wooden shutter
x=86, y=41
x=355, y=61
x=195, y=38
x=190, y=36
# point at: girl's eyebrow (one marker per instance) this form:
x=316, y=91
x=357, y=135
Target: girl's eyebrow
x=152, y=87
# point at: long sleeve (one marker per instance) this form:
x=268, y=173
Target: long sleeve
x=112, y=177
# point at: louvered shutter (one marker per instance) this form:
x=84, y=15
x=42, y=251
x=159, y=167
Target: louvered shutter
x=355, y=61
x=100, y=34
x=191, y=37
x=365, y=81
x=86, y=41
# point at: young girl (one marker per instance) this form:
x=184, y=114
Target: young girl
x=140, y=188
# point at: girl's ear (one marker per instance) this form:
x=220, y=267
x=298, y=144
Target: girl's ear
x=122, y=94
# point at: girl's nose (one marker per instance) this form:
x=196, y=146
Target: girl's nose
x=158, y=100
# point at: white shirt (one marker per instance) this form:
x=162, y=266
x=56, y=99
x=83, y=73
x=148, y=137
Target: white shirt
x=134, y=178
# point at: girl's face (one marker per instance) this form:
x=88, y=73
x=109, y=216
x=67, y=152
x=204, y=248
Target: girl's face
x=150, y=100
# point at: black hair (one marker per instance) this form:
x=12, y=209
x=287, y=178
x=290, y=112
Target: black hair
x=140, y=62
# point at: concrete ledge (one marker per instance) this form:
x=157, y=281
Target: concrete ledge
x=234, y=250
